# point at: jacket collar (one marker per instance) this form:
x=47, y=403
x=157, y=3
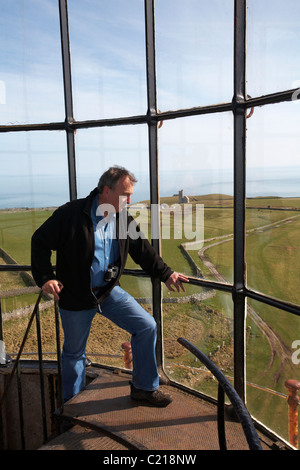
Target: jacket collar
x=89, y=201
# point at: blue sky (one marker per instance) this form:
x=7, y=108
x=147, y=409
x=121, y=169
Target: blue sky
x=194, y=45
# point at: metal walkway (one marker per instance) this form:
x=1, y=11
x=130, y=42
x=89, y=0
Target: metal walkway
x=105, y=418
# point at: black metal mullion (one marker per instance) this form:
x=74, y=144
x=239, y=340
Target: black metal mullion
x=153, y=169
x=239, y=297
x=152, y=123
x=272, y=98
x=66, y=62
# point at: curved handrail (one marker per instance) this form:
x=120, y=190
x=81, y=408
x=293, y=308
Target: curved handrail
x=239, y=407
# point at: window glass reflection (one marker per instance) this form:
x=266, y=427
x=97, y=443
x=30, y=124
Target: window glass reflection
x=108, y=58
x=273, y=201
x=31, y=87
x=194, y=48
x=273, y=42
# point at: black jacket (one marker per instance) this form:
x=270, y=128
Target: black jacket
x=69, y=232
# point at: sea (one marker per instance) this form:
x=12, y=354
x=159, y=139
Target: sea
x=36, y=191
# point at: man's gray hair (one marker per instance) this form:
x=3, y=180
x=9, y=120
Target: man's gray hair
x=111, y=177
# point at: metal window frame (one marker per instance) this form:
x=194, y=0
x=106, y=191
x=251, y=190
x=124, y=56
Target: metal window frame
x=67, y=79
x=238, y=106
x=239, y=114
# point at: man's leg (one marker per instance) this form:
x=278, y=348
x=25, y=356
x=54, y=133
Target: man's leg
x=122, y=309
x=76, y=326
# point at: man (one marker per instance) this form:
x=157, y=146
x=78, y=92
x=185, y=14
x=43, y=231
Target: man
x=92, y=241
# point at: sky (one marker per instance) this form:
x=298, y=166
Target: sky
x=194, y=67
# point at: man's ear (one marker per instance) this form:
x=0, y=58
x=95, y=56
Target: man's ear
x=106, y=190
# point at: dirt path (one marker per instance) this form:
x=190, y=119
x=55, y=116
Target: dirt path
x=276, y=345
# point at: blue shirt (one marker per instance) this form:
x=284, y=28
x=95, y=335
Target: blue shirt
x=106, y=244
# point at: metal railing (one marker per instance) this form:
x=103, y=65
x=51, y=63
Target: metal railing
x=224, y=386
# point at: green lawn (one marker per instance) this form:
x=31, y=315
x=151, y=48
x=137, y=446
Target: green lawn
x=16, y=229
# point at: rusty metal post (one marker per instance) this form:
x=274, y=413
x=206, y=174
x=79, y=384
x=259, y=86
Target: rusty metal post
x=293, y=400
x=127, y=355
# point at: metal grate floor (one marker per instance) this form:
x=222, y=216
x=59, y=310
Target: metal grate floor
x=105, y=417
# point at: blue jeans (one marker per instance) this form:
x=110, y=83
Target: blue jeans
x=124, y=311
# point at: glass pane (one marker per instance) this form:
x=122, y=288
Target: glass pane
x=108, y=58
x=126, y=146
x=272, y=357
x=31, y=86
x=33, y=180
x=97, y=149
x=208, y=325
x=273, y=201
x=273, y=41
x=194, y=47
x=196, y=189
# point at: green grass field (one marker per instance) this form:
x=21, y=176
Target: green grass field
x=273, y=260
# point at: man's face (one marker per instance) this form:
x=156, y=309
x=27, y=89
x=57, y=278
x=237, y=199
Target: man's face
x=120, y=195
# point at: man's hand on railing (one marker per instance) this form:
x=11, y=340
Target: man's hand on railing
x=53, y=287
x=176, y=279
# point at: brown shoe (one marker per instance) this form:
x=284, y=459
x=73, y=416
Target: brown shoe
x=156, y=398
